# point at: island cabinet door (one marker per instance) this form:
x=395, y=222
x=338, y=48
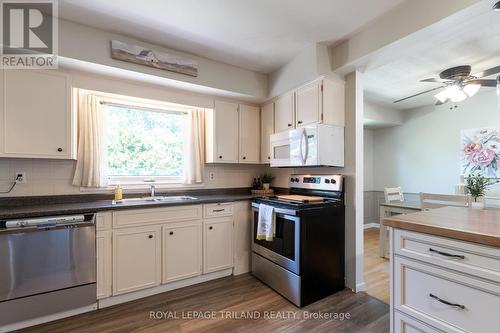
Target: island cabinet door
x=218, y=244
x=182, y=250
x=136, y=259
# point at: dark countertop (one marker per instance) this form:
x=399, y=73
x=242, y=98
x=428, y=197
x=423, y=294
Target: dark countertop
x=11, y=208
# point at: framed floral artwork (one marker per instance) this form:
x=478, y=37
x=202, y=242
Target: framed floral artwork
x=481, y=152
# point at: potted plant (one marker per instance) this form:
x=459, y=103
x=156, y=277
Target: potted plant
x=476, y=187
x=266, y=179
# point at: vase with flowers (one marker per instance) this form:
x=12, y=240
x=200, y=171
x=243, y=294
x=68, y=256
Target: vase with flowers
x=266, y=179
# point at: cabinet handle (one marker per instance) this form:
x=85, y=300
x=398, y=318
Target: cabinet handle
x=269, y=157
x=171, y=233
x=446, y=302
x=150, y=236
x=210, y=228
x=299, y=122
x=59, y=149
x=220, y=156
x=447, y=254
x=244, y=157
x=289, y=125
x=219, y=210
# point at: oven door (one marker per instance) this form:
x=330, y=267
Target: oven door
x=284, y=249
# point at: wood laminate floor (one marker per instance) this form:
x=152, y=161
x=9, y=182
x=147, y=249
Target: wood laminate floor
x=230, y=296
x=376, y=268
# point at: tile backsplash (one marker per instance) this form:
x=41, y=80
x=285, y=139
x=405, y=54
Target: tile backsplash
x=54, y=177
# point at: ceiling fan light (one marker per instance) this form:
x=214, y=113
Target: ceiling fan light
x=471, y=89
x=458, y=96
x=442, y=96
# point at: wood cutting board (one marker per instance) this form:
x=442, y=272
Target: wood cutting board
x=300, y=198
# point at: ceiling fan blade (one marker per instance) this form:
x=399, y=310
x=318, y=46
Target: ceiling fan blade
x=434, y=80
x=484, y=83
x=420, y=93
x=488, y=72
x=441, y=103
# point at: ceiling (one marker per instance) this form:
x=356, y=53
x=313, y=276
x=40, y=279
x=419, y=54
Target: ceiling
x=474, y=40
x=260, y=35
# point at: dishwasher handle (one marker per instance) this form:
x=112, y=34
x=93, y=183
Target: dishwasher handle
x=52, y=222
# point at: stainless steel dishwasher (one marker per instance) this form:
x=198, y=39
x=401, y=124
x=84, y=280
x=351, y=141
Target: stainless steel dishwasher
x=47, y=265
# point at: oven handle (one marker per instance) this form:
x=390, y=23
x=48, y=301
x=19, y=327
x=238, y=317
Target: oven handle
x=278, y=211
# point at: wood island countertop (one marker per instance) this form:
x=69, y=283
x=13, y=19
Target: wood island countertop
x=480, y=226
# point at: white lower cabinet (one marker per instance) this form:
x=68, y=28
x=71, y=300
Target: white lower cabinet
x=136, y=258
x=182, y=250
x=103, y=254
x=443, y=285
x=217, y=244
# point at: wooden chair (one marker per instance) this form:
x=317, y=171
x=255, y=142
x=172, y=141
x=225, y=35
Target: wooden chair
x=391, y=194
x=432, y=201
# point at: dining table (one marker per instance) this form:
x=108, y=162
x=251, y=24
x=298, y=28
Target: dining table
x=389, y=209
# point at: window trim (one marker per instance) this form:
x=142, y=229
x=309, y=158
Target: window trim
x=150, y=106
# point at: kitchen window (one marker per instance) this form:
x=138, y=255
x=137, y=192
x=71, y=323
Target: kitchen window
x=143, y=143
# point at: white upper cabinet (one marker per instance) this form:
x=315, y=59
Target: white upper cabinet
x=267, y=128
x=308, y=102
x=284, y=112
x=318, y=102
x=222, y=133
x=249, y=134
x=36, y=120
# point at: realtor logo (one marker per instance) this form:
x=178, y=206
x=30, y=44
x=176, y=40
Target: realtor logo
x=29, y=34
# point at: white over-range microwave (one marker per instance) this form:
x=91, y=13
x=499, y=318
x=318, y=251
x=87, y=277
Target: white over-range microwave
x=314, y=145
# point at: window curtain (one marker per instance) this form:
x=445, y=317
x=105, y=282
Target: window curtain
x=194, y=149
x=88, y=172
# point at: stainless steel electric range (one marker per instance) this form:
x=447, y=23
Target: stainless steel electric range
x=305, y=260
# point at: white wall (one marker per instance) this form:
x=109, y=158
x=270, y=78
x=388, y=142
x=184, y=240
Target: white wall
x=423, y=154
x=368, y=159
x=376, y=115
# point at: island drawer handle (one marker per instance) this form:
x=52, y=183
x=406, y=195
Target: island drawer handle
x=446, y=302
x=447, y=254
x=219, y=210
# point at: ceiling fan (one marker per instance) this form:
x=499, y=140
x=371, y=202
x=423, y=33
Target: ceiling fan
x=458, y=84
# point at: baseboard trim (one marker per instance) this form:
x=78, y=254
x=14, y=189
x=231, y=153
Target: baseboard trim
x=110, y=301
x=371, y=225
x=360, y=287
x=48, y=318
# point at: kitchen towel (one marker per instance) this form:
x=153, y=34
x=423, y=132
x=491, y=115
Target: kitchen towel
x=266, y=224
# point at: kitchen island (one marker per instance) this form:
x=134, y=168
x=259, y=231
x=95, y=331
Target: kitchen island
x=445, y=270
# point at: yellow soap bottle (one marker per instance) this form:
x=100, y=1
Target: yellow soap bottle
x=118, y=193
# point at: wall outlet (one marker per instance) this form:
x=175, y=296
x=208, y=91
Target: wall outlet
x=21, y=178
x=211, y=175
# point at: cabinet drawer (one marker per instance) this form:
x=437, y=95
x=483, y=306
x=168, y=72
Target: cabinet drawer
x=149, y=216
x=422, y=291
x=470, y=258
x=218, y=209
x=405, y=324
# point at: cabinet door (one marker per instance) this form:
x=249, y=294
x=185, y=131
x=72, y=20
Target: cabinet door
x=37, y=118
x=284, y=111
x=182, y=251
x=249, y=134
x=226, y=132
x=217, y=244
x=136, y=259
x=308, y=100
x=267, y=128
x=103, y=250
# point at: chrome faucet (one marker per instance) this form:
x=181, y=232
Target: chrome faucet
x=152, y=188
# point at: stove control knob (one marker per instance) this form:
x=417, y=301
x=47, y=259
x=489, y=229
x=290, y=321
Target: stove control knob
x=327, y=181
x=297, y=180
x=292, y=179
x=333, y=181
